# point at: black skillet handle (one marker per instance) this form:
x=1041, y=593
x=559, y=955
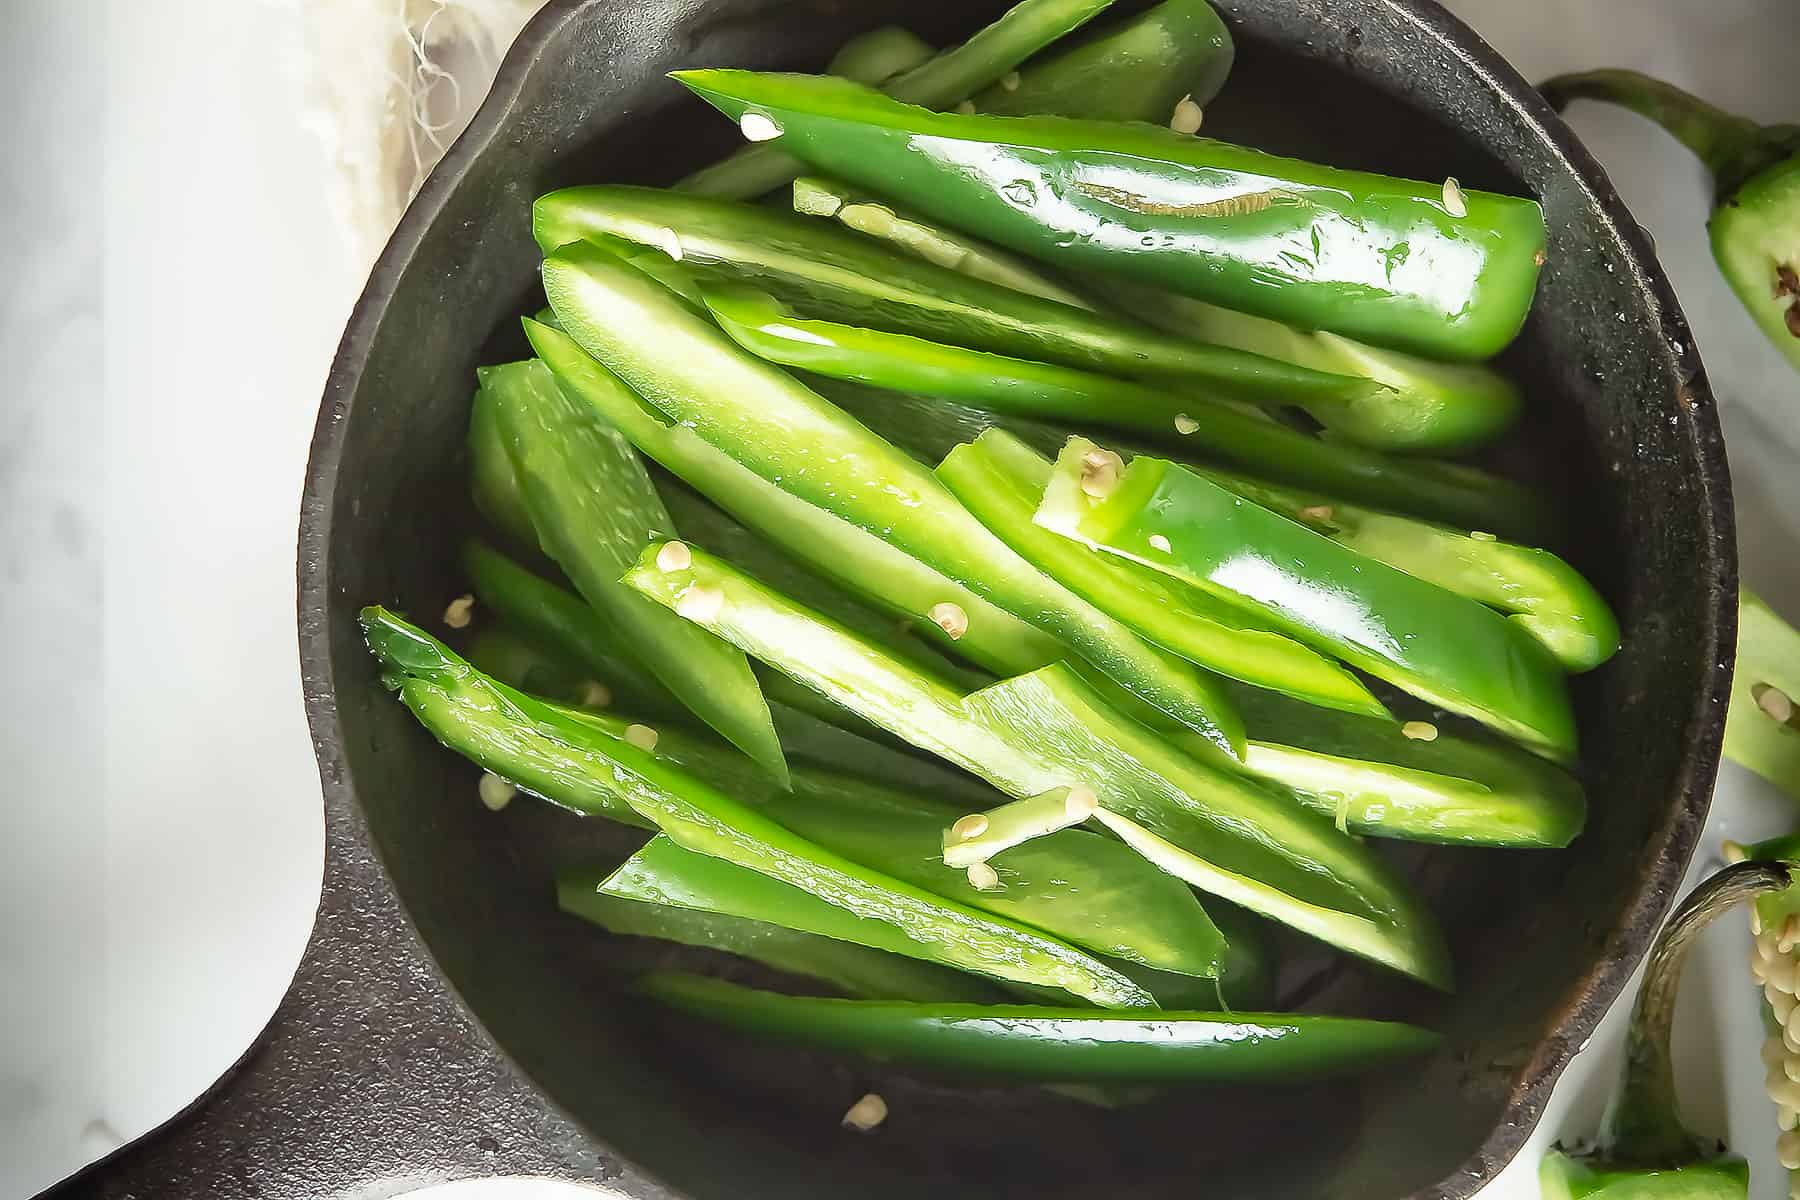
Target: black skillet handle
x=369, y=1079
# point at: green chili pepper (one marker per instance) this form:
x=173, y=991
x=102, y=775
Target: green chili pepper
x=852, y=557
x=880, y=54
x=1209, y=425
x=1046, y=730
x=1052, y=1044
x=866, y=213
x=492, y=482
x=1372, y=778
x=1539, y=592
x=598, y=764
x=1424, y=406
x=1644, y=1151
x=836, y=273
x=1427, y=267
x=594, y=506
x=847, y=966
x=1762, y=731
x=1137, y=70
x=514, y=659
x=1000, y=479
x=1442, y=647
x=946, y=78
x=561, y=621
x=777, y=427
x=1427, y=407
x=1755, y=223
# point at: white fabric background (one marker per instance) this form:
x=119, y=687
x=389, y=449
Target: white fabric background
x=176, y=289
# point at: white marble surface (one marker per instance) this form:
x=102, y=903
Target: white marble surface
x=176, y=291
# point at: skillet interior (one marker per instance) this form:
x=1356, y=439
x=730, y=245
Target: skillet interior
x=1619, y=427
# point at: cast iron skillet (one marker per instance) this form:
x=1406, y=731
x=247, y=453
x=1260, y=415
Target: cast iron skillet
x=445, y=1022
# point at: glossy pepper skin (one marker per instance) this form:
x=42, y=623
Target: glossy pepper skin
x=839, y=274
x=1644, y=1152
x=1217, y=831
x=999, y=479
x=943, y=79
x=1135, y=70
x=586, y=761
x=1442, y=647
x=1371, y=779
x=1423, y=407
x=1421, y=266
x=1031, y=1042
x=593, y=507
x=1755, y=223
x=768, y=421
x=1196, y=419
x=1538, y=591
x=850, y=968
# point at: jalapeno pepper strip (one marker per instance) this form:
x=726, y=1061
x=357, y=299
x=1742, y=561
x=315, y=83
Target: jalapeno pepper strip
x=1177, y=415
x=1000, y=479
x=1426, y=267
x=832, y=272
x=593, y=506
x=944, y=79
x=880, y=54
x=1643, y=1149
x=848, y=967
x=1444, y=648
x=1424, y=407
x=1755, y=222
x=1051, y=1044
x=559, y=620
x=855, y=559
x=1427, y=407
x=1137, y=70
x=774, y=425
x=492, y=483
x=1538, y=591
x=1374, y=780
x=1037, y=732
x=1762, y=724
x=597, y=762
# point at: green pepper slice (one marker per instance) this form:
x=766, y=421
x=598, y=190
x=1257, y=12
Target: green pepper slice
x=880, y=54
x=598, y=764
x=1444, y=648
x=1427, y=267
x=1755, y=224
x=1000, y=479
x=1052, y=1044
x=1137, y=70
x=1538, y=591
x=1762, y=731
x=1049, y=729
x=1372, y=779
x=852, y=557
x=1213, y=426
x=833, y=272
x=777, y=427
x=847, y=966
x=1423, y=407
x=946, y=78
x=594, y=507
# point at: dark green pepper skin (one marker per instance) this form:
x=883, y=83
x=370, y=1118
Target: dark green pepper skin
x=1444, y=648
x=1755, y=223
x=1035, y=1042
x=1425, y=267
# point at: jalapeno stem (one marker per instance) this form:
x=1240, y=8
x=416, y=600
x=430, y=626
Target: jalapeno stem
x=1733, y=148
x=1642, y=1126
